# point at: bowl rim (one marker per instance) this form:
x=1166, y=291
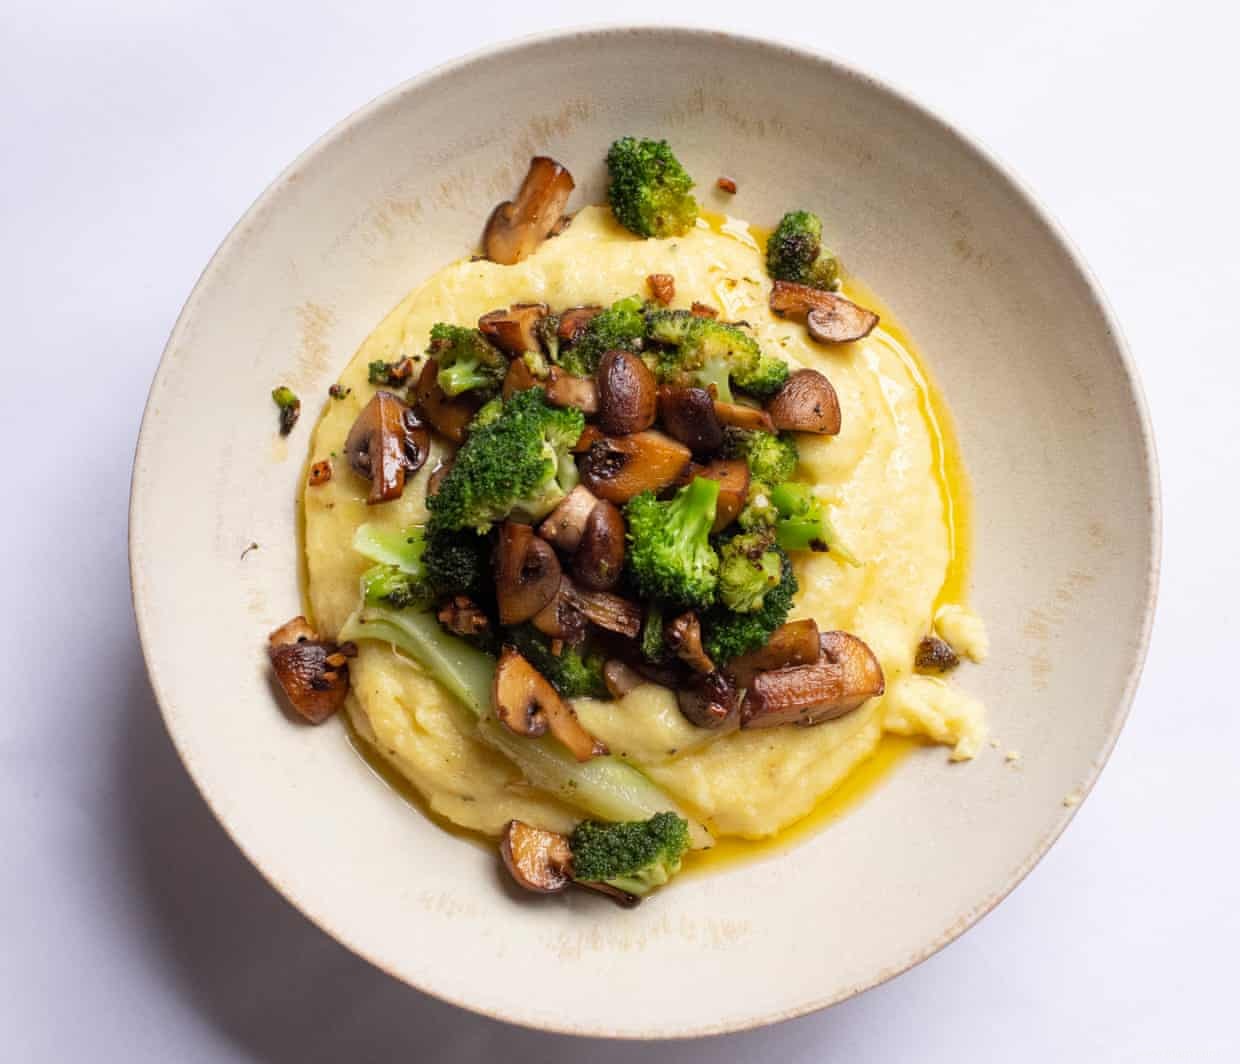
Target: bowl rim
x=964, y=140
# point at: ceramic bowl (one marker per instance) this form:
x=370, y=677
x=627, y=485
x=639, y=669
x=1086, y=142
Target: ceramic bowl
x=1052, y=428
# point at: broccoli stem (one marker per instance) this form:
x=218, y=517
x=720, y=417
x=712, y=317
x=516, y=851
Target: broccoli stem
x=605, y=787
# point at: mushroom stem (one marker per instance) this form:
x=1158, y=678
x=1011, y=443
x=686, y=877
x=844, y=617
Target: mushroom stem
x=516, y=227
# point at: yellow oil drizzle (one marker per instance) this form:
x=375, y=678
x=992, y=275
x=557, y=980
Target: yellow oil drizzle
x=949, y=471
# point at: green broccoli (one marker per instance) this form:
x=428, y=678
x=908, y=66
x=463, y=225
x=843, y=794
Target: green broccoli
x=649, y=190
x=803, y=523
x=574, y=672
x=749, y=567
x=634, y=856
x=771, y=459
x=703, y=351
x=386, y=585
x=621, y=327
x=458, y=563
x=670, y=556
x=759, y=512
x=467, y=360
x=653, y=646
x=518, y=464
x=416, y=568
x=795, y=252
x=727, y=634
x=290, y=407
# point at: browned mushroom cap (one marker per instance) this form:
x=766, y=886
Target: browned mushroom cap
x=573, y=322
x=846, y=675
x=313, y=673
x=464, y=617
x=733, y=477
x=935, y=655
x=527, y=573
x=590, y=435
x=517, y=227
x=451, y=417
x=616, y=468
x=567, y=522
x=684, y=636
x=709, y=700
x=563, y=389
x=602, y=608
x=627, y=394
x=518, y=378
x=539, y=860
x=794, y=643
x=561, y=618
x=600, y=553
x=830, y=318
x=513, y=330
x=620, y=678
x=527, y=704
x=688, y=415
x=737, y=415
x=806, y=403
x=386, y=443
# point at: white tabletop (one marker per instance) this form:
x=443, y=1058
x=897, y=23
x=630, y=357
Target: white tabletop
x=136, y=133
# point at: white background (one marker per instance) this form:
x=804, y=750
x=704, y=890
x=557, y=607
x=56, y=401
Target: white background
x=133, y=137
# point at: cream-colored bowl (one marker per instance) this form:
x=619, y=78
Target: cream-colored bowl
x=1052, y=428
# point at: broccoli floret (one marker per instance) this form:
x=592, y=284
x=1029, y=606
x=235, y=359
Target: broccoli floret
x=670, y=556
x=795, y=252
x=803, y=522
x=574, y=672
x=290, y=407
x=387, y=585
x=635, y=856
x=518, y=464
x=771, y=459
x=458, y=563
x=653, y=646
x=703, y=351
x=759, y=512
x=649, y=190
x=764, y=378
x=749, y=567
x=727, y=634
x=621, y=327
x=467, y=360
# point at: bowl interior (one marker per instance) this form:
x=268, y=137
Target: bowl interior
x=1051, y=427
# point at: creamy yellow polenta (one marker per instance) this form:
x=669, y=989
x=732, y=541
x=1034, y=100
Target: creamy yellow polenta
x=882, y=476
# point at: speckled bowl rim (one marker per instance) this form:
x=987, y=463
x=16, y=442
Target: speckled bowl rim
x=972, y=146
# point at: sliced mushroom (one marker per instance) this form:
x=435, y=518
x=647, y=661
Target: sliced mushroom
x=620, y=678
x=561, y=619
x=527, y=704
x=662, y=287
x=600, y=554
x=590, y=435
x=616, y=468
x=806, y=403
x=386, y=443
x=733, y=477
x=563, y=389
x=461, y=616
x=829, y=317
x=627, y=394
x=709, y=700
x=440, y=471
x=517, y=227
x=684, y=636
x=612, y=612
x=794, y=643
x=527, y=573
x=313, y=672
x=740, y=416
x=935, y=655
x=846, y=675
x=573, y=322
x=514, y=331
x=688, y=415
x=539, y=860
x=567, y=522
x=518, y=378
x=450, y=417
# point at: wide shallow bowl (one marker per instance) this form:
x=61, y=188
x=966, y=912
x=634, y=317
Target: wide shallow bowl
x=1052, y=428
